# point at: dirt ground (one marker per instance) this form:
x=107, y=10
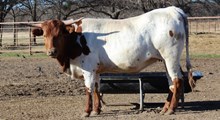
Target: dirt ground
x=35, y=89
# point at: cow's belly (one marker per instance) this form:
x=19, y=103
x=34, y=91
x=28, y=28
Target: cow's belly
x=132, y=56
x=124, y=67
x=133, y=60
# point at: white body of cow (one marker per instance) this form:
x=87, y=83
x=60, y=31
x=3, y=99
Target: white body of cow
x=129, y=45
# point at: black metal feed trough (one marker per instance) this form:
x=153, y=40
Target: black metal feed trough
x=144, y=82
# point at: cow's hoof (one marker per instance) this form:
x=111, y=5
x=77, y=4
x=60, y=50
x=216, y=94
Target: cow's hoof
x=162, y=112
x=169, y=112
x=85, y=114
x=94, y=113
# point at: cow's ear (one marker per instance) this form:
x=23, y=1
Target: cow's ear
x=70, y=28
x=37, y=32
x=78, y=22
x=79, y=26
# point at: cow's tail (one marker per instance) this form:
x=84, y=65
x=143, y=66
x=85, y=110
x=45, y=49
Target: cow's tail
x=192, y=82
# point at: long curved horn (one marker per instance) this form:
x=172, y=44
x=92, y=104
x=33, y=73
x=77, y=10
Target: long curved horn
x=68, y=22
x=36, y=25
x=71, y=21
x=32, y=25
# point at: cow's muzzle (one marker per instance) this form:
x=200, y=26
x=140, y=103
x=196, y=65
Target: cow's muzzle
x=52, y=52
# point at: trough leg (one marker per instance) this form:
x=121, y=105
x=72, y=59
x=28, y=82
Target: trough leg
x=182, y=94
x=141, y=95
x=183, y=88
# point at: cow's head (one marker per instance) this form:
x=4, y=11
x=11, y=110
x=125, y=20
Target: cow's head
x=60, y=39
x=55, y=33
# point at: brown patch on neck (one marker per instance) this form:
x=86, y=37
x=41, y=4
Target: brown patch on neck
x=85, y=48
x=171, y=33
x=64, y=62
x=70, y=50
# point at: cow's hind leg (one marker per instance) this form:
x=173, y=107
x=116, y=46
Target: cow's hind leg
x=175, y=97
x=167, y=103
x=170, y=94
x=173, y=69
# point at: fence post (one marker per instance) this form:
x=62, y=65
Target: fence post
x=209, y=25
x=203, y=27
x=15, y=34
x=190, y=26
x=16, y=28
x=30, y=53
x=1, y=32
x=196, y=27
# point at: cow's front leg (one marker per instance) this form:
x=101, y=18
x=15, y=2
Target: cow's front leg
x=175, y=96
x=88, y=108
x=97, y=103
x=90, y=84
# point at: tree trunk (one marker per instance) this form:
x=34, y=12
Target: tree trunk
x=0, y=35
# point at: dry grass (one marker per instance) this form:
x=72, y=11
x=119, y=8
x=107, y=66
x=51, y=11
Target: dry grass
x=205, y=44
x=22, y=38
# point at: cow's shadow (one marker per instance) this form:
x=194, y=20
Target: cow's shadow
x=202, y=105
x=189, y=107
x=195, y=106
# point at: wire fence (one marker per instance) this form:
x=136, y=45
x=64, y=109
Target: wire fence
x=15, y=37
x=202, y=25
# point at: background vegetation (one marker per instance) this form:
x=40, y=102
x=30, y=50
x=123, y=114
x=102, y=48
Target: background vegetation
x=36, y=10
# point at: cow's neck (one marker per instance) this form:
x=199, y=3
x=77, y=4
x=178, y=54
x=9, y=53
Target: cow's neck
x=83, y=43
x=72, y=50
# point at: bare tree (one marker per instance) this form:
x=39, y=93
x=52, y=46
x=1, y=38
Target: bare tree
x=113, y=8
x=148, y=5
x=202, y=7
x=217, y=1
x=5, y=7
x=77, y=8
x=13, y=12
x=188, y=6
x=62, y=9
x=35, y=9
